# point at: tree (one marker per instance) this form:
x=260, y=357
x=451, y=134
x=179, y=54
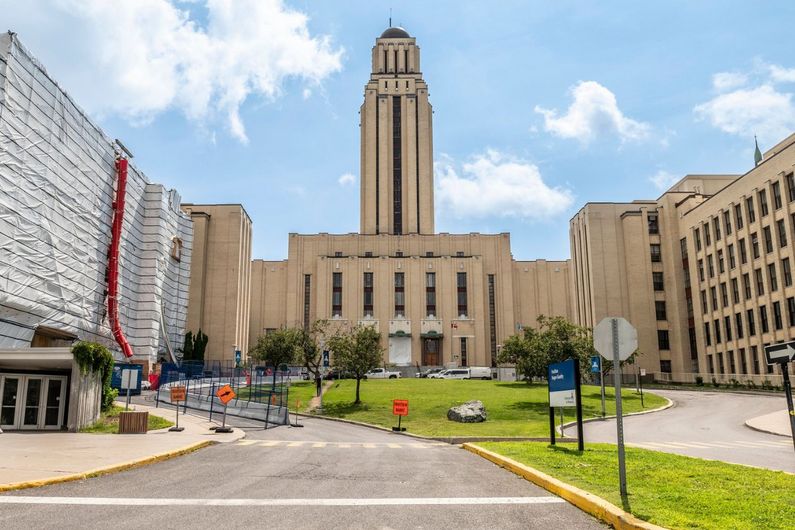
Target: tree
x=277, y=347
x=309, y=351
x=356, y=351
x=187, y=349
x=199, y=345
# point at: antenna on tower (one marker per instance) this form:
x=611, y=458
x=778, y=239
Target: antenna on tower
x=390, y=17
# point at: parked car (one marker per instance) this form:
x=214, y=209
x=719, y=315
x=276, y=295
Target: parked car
x=429, y=372
x=480, y=372
x=437, y=375
x=475, y=372
x=455, y=373
x=381, y=373
x=334, y=374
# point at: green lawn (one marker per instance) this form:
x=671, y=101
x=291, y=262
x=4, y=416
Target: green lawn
x=669, y=490
x=302, y=391
x=513, y=409
x=108, y=422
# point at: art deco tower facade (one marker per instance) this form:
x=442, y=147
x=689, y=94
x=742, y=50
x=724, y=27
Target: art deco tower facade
x=397, y=145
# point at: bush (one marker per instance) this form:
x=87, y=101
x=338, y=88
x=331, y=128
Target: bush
x=735, y=383
x=715, y=383
x=699, y=381
x=94, y=357
x=751, y=384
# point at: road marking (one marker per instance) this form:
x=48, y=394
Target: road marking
x=368, y=446
x=344, y=446
x=419, y=501
x=394, y=446
x=295, y=444
x=246, y=442
x=319, y=444
x=268, y=443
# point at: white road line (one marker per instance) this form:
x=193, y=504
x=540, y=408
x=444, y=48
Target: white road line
x=319, y=444
x=368, y=446
x=269, y=443
x=393, y=446
x=420, y=501
x=246, y=442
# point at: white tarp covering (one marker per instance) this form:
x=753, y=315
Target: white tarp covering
x=400, y=350
x=57, y=181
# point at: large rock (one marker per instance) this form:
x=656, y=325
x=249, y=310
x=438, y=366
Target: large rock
x=469, y=412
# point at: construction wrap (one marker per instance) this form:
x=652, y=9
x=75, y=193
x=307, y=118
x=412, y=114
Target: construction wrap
x=57, y=179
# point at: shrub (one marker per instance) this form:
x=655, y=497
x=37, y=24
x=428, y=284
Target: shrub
x=94, y=357
x=735, y=383
x=715, y=383
x=699, y=380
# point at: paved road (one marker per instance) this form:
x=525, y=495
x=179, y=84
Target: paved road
x=706, y=425
x=325, y=475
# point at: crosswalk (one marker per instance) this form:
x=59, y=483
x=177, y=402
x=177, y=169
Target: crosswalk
x=312, y=444
x=717, y=444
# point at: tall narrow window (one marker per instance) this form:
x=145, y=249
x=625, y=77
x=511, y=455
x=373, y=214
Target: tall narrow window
x=749, y=317
x=747, y=286
x=743, y=252
x=430, y=294
x=707, y=236
x=791, y=311
x=654, y=224
x=464, y=360
x=732, y=260
x=721, y=266
x=336, y=294
x=763, y=210
x=760, y=283
x=755, y=358
x=307, y=293
x=662, y=339
x=749, y=207
x=400, y=295
x=768, y=235
x=367, y=304
x=656, y=255
x=777, y=315
x=727, y=326
x=782, y=233
x=659, y=309
x=776, y=187
x=697, y=238
x=786, y=271
x=727, y=222
x=763, y=323
x=657, y=281
x=735, y=291
x=790, y=187
x=738, y=216
x=716, y=226
x=397, y=171
x=738, y=324
x=716, y=328
x=707, y=336
x=461, y=283
x=492, y=321
x=755, y=245
x=772, y=277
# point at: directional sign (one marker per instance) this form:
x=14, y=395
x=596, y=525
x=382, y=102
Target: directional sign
x=562, y=384
x=780, y=353
x=325, y=359
x=603, y=338
x=177, y=393
x=225, y=394
x=400, y=407
x=596, y=364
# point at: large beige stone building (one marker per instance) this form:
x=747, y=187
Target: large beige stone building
x=437, y=299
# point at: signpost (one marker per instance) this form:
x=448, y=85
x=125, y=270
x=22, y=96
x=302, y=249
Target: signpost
x=129, y=381
x=564, y=391
x=178, y=393
x=400, y=408
x=596, y=367
x=615, y=339
x=225, y=395
x=784, y=354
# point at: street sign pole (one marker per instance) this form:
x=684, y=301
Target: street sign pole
x=552, y=425
x=602, y=384
x=622, y=472
x=578, y=382
x=788, y=391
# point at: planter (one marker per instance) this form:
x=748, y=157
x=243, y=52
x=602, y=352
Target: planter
x=133, y=422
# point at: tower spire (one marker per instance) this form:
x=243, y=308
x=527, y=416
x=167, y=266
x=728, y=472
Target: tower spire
x=390, y=17
x=757, y=153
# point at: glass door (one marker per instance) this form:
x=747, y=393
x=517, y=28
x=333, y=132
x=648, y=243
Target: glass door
x=9, y=390
x=32, y=402
x=54, y=402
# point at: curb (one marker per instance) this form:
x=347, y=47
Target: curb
x=587, y=502
x=668, y=405
x=759, y=429
x=114, y=468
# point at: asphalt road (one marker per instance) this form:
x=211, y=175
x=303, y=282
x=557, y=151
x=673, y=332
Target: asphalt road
x=706, y=425
x=325, y=475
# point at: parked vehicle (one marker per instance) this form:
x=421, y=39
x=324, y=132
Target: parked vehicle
x=475, y=372
x=429, y=372
x=480, y=372
x=337, y=374
x=381, y=373
x=437, y=375
x=455, y=373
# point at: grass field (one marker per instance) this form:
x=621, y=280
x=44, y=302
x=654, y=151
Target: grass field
x=299, y=391
x=513, y=409
x=108, y=422
x=669, y=490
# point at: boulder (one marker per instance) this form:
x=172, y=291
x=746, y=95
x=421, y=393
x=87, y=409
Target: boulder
x=469, y=412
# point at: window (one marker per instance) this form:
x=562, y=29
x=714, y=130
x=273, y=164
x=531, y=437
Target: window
x=657, y=281
x=707, y=337
x=338, y=254
x=397, y=171
x=743, y=254
x=400, y=295
x=704, y=307
x=307, y=293
x=367, y=304
x=654, y=224
x=430, y=293
x=336, y=294
x=777, y=315
x=662, y=339
x=727, y=327
x=714, y=296
x=776, y=188
x=368, y=254
x=790, y=187
x=721, y=266
x=772, y=280
x=738, y=324
x=743, y=362
x=701, y=270
x=176, y=249
x=738, y=216
x=735, y=291
x=724, y=295
x=732, y=260
x=782, y=233
x=716, y=227
x=707, y=236
x=747, y=286
x=399, y=254
x=760, y=284
x=762, y=195
x=463, y=351
x=710, y=266
x=655, y=253
x=710, y=364
x=730, y=355
x=763, y=319
x=492, y=320
x=749, y=206
x=697, y=237
x=721, y=367
x=786, y=272
x=768, y=239
x=754, y=245
x=429, y=254
x=659, y=309
x=461, y=282
x=755, y=357
x=727, y=222
x=716, y=328
x=683, y=247
x=459, y=253
x=791, y=311
x=665, y=366
x=749, y=317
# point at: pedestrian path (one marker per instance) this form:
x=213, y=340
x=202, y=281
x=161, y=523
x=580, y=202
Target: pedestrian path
x=717, y=444
x=311, y=444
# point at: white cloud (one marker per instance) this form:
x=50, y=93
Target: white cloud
x=347, y=179
x=728, y=80
x=663, y=180
x=780, y=74
x=493, y=184
x=762, y=110
x=593, y=114
x=141, y=58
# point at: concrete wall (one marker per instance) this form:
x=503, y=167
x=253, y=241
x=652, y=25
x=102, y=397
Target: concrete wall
x=85, y=398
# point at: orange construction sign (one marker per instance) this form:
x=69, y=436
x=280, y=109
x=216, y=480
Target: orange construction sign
x=177, y=393
x=225, y=394
x=400, y=407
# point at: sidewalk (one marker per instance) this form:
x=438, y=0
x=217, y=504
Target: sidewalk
x=38, y=458
x=773, y=423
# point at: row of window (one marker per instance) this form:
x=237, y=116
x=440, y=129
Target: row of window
x=732, y=366
x=737, y=327
x=750, y=212
x=399, y=254
x=759, y=282
x=399, y=294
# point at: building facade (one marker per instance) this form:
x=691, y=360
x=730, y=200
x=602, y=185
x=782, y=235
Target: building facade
x=437, y=299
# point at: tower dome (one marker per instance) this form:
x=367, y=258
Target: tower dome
x=395, y=33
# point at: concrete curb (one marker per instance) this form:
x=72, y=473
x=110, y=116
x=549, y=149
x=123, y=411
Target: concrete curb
x=760, y=429
x=114, y=468
x=587, y=502
x=668, y=405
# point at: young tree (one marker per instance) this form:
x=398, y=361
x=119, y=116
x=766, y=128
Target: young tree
x=357, y=351
x=276, y=348
x=187, y=349
x=308, y=347
x=199, y=345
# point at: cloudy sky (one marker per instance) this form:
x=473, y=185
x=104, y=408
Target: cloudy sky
x=539, y=107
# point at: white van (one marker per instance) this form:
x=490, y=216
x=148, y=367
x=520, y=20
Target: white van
x=455, y=373
x=480, y=372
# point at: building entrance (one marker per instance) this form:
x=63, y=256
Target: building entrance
x=432, y=352
x=32, y=401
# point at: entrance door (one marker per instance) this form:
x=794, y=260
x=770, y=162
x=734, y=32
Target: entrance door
x=9, y=389
x=54, y=404
x=431, y=352
x=32, y=402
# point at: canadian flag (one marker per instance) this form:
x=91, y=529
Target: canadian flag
x=453, y=325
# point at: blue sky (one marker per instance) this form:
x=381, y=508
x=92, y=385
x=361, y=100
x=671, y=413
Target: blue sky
x=554, y=103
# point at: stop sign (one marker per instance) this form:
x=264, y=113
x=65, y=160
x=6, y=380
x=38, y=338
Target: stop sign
x=603, y=338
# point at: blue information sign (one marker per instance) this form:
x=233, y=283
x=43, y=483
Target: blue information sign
x=325, y=359
x=596, y=364
x=562, y=384
x=237, y=357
